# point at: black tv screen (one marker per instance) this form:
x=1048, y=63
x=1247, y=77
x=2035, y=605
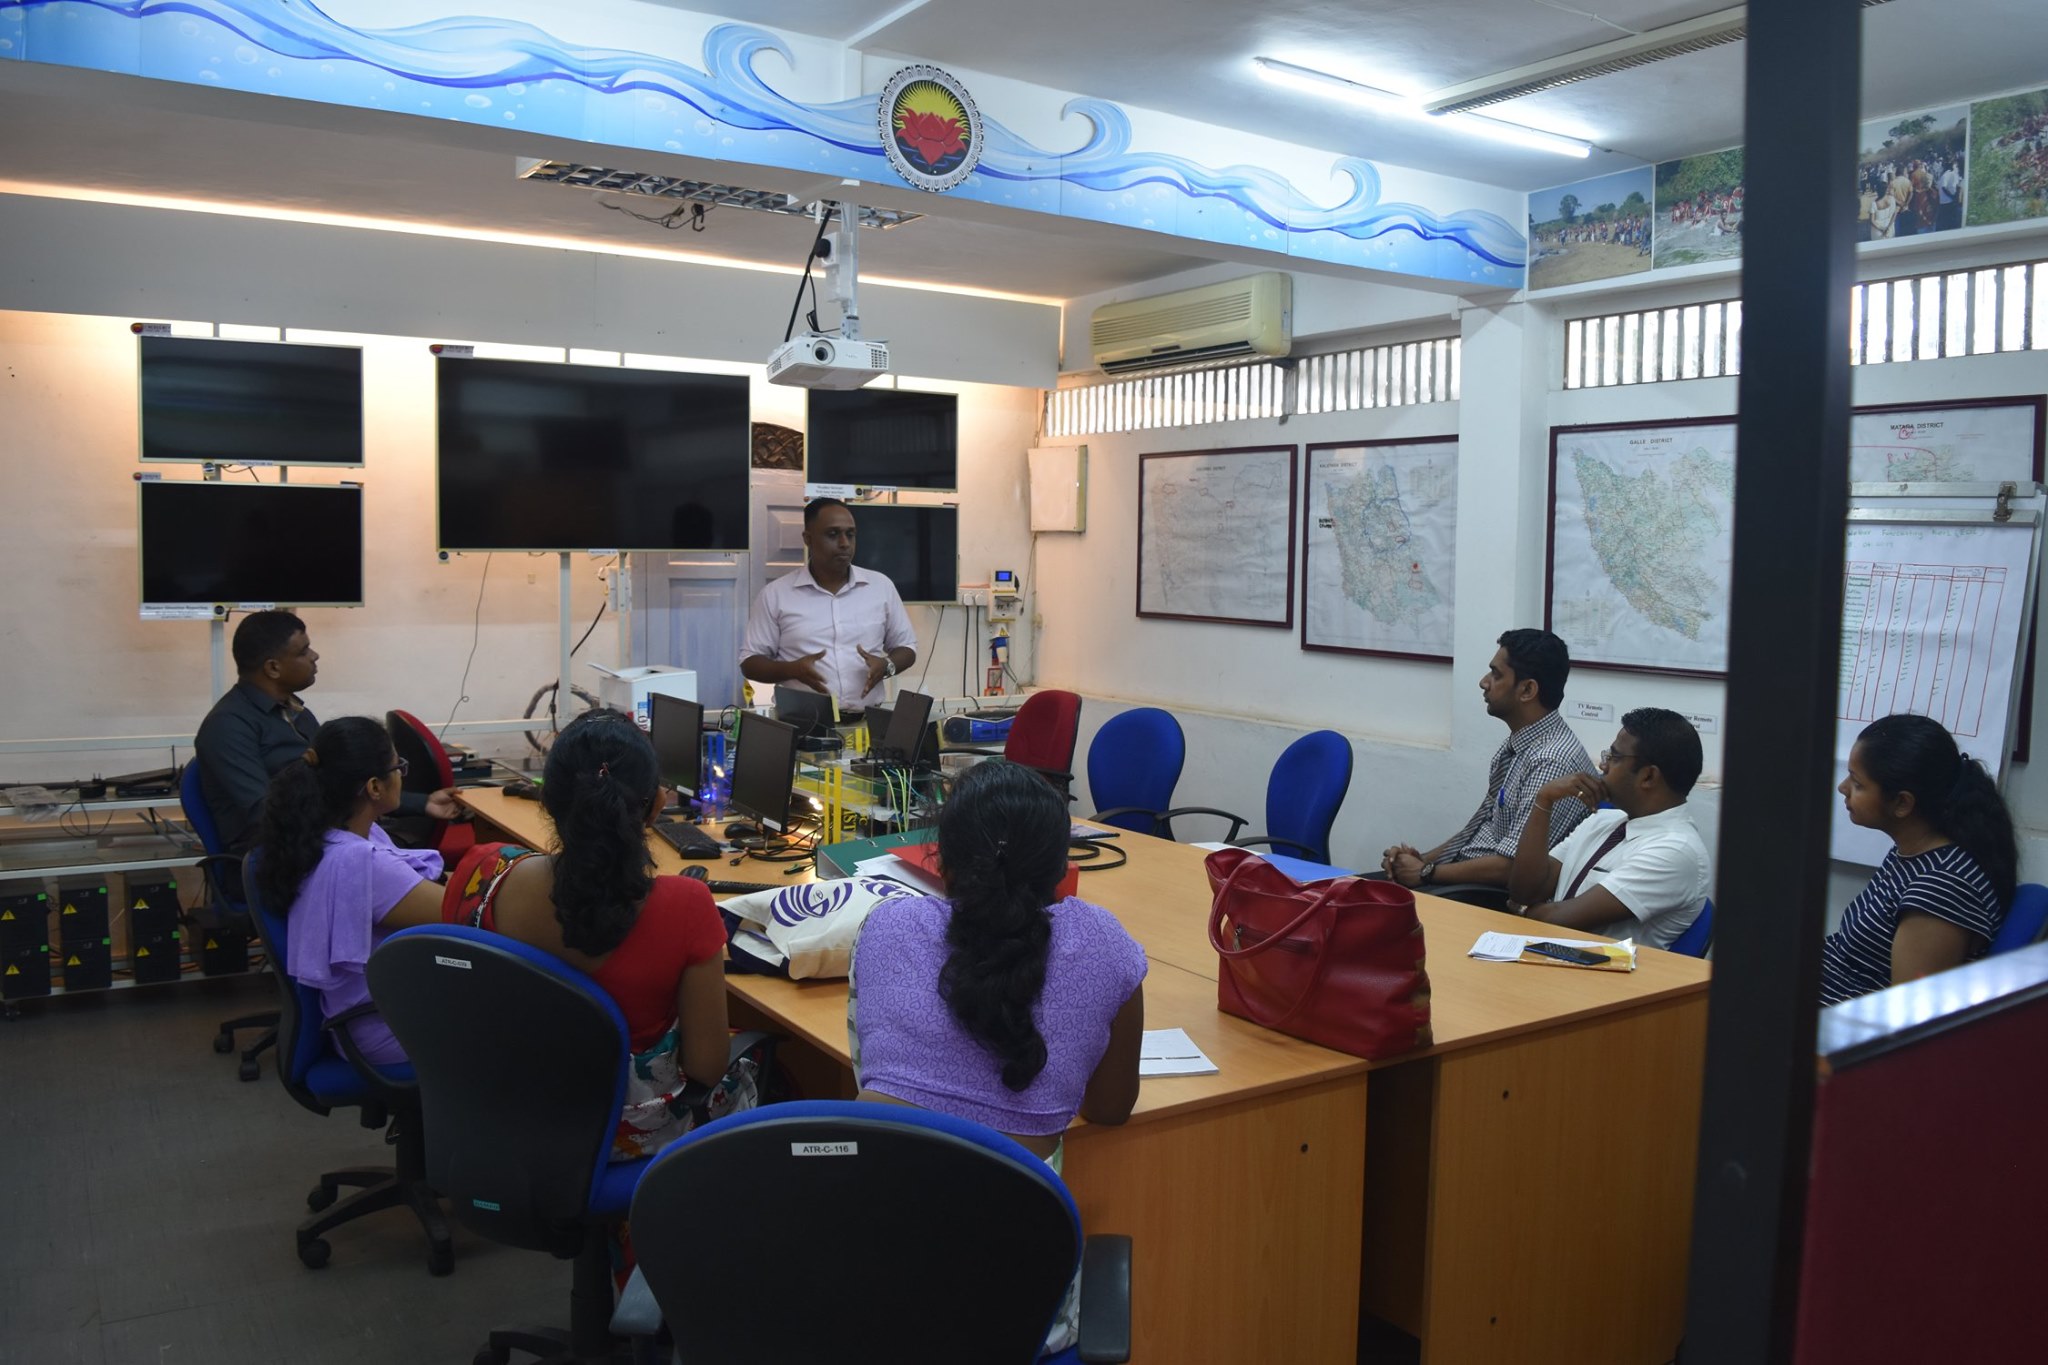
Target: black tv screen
x=251, y=544
x=918, y=547
x=883, y=438
x=538, y=456
x=251, y=402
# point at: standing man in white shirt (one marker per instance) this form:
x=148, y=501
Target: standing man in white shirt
x=1638, y=871
x=829, y=626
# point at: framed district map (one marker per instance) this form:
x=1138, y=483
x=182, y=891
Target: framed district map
x=1642, y=522
x=1216, y=535
x=1379, y=547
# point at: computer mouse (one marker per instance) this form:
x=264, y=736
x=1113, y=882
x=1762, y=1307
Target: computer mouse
x=697, y=870
x=525, y=790
x=740, y=829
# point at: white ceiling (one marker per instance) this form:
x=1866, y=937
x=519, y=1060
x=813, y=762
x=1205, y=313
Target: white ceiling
x=1187, y=57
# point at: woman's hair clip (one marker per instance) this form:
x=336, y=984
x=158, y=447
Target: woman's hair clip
x=604, y=771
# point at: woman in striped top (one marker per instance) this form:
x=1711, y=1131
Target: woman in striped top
x=1940, y=894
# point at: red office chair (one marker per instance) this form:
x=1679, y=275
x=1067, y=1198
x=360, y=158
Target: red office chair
x=1043, y=736
x=429, y=771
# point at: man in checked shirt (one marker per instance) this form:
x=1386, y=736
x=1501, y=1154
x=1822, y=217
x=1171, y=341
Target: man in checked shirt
x=1523, y=687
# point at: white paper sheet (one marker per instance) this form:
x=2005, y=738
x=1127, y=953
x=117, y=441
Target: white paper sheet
x=1170, y=1052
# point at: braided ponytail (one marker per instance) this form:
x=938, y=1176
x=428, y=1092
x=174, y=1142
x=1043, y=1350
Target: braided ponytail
x=601, y=779
x=1003, y=850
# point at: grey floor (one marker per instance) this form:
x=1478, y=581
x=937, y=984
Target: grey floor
x=148, y=1198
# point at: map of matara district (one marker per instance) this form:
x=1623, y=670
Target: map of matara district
x=1390, y=515
x=1642, y=541
x=1215, y=530
x=1376, y=542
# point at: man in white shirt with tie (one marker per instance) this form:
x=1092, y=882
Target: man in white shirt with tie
x=1637, y=871
x=829, y=626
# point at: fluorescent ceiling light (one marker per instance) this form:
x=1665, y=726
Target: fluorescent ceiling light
x=1472, y=125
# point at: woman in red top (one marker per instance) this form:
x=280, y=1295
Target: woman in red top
x=656, y=944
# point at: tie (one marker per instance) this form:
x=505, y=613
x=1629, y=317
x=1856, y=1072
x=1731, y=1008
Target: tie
x=1619, y=833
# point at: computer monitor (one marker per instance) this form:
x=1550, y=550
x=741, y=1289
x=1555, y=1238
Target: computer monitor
x=905, y=734
x=917, y=547
x=677, y=728
x=208, y=401
x=249, y=545
x=883, y=438
x=812, y=713
x=764, y=770
x=540, y=456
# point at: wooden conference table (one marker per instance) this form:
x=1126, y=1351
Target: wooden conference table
x=1519, y=1192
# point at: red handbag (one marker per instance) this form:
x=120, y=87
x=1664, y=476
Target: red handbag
x=1338, y=963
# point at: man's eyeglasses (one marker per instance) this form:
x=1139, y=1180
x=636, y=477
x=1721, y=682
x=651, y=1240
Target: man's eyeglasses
x=1608, y=756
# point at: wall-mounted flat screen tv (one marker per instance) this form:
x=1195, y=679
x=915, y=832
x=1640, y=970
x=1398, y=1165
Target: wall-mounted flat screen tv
x=538, y=456
x=918, y=547
x=883, y=438
x=206, y=401
x=251, y=545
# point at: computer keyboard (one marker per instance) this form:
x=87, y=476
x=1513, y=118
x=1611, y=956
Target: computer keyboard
x=725, y=888
x=687, y=840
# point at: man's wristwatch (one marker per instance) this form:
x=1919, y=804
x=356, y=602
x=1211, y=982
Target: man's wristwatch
x=888, y=665
x=1428, y=874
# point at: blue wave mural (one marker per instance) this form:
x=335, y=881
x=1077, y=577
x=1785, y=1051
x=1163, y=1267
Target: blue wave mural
x=504, y=73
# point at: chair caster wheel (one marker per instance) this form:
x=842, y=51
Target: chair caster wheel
x=320, y=1198
x=314, y=1254
x=441, y=1261
x=250, y=1069
x=223, y=1042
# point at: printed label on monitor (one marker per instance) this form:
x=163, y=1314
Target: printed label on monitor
x=159, y=611
x=832, y=490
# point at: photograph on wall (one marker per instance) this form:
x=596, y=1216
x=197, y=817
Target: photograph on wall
x=1379, y=544
x=1699, y=209
x=1216, y=535
x=2009, y=159
x=1989, y=440
x=1592, y=230
x=1910, y=173
x=1641, y=539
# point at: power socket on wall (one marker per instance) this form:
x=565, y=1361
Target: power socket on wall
x=974, y=594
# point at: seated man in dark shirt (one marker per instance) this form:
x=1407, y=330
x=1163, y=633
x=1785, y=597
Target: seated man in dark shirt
x=261, y=725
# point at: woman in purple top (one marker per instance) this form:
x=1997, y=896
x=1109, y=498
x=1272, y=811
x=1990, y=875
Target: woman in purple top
x=344, y=884
x=995, y=1003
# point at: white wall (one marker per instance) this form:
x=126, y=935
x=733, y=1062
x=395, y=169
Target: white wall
x=74, y=658
x=1421, y=737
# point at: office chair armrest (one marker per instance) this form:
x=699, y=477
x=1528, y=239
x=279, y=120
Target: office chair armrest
x=637, y=1314
x=398, y=1094
x=1103, y=817
x=1312, y=855
x=1106, y=1299
x=1236, y=821
x=1469, y=893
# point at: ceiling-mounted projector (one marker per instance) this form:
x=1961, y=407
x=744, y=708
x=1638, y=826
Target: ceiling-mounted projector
x=821, y=362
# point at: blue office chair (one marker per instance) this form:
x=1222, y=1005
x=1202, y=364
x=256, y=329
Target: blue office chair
x=522, y=1071
x=1699, y=935
x=223, y=872
x=901, y=1234
x=1303, y=795
x=2024, y=919
x=1134, y=763
x=323, y=1082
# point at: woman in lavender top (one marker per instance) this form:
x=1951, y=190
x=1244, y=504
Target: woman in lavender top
x=343, y=883
x=995, y=1002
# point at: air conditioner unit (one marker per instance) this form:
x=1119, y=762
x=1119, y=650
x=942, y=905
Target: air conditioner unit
x=1251, y=316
